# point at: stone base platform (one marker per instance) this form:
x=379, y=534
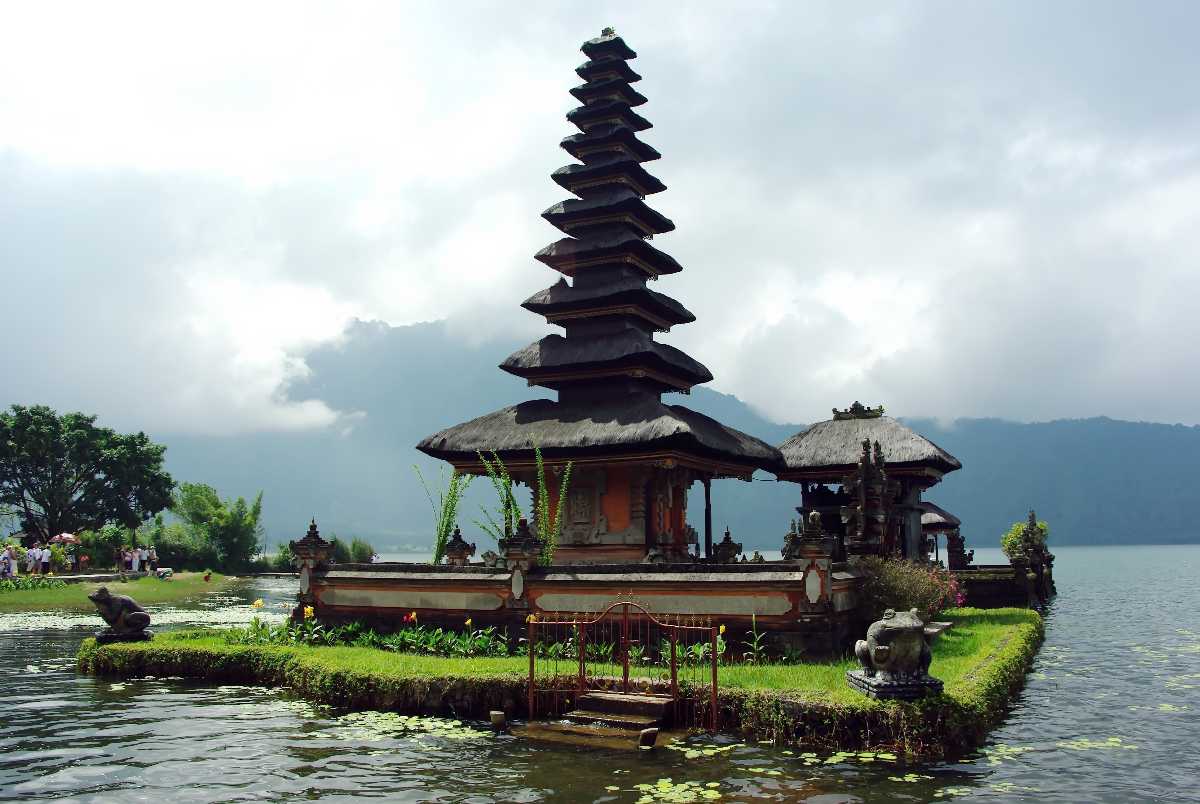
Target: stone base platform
x=108, y=637
x=891, y=689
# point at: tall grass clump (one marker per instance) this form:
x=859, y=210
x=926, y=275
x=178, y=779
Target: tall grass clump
x=445, y=509
x=549, y=526
x=499, y=525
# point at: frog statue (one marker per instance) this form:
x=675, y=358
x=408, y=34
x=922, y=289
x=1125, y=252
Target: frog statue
x=895, y=658
x=126, y=620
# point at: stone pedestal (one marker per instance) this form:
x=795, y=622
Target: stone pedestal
x=888, y=688
x=108, y=636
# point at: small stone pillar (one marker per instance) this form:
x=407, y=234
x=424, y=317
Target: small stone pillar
x=312, y=553
x=458, y=550
x=521, y=550
x=520, y=553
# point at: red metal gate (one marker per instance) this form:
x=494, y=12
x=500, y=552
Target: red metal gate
x=625, y=648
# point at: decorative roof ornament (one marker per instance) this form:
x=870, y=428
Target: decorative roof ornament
x=311, y=544
x=857, y=411
x=609, y=31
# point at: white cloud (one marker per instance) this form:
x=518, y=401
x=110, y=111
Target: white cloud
x=973, y=211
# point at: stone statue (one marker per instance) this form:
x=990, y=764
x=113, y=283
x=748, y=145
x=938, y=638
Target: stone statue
x=127, y=621
x=895, y=658
x=727, y=550
x=458, y=550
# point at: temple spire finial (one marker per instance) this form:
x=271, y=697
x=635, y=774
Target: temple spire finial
x=608, y=31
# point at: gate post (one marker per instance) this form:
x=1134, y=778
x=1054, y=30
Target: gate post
x=625, y=648
x=674, y=667
x=532, y=659
x=713, y=690
x=582, y=626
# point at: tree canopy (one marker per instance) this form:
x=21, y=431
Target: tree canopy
x=63, y=473
x=232, y=527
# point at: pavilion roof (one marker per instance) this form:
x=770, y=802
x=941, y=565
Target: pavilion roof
x=562, y=298
x=611, y=245
x=603, y=208
x=598, y=69
x=629, y=347
x=568, y=431
x=937, y=518
x=608, y=169
x=604, y=137
x=835, y=446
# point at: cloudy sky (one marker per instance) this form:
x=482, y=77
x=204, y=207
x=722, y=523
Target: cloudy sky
x=956, y=209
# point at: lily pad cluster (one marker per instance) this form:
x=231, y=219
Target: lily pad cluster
x=1086, y=744
x=1000, y=753
x=679, y=792
x=374, y=726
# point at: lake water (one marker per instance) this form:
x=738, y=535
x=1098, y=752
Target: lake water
x=1110, y=714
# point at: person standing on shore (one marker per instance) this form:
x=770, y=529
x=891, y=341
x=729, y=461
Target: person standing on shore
x=152, y=557
x=133, y=559
x=14, y=561
x=31, y=560
x=46, y=559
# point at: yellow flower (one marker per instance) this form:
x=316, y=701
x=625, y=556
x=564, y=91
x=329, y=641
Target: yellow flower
x=309, y=611
x=532, y=618
x=721, y=630
x=258, y=604
x=468, y=622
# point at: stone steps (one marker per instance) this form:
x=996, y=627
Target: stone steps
x=626, y=703
x=618, y=720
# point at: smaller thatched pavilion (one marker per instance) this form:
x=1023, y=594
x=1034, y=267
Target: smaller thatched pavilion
x=936, y=521
x=824, y=459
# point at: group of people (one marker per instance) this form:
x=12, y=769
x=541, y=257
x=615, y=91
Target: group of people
x=37, y=560
x=137, y=559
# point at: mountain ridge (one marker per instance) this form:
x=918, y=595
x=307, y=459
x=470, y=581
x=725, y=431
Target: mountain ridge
x=1096, y=480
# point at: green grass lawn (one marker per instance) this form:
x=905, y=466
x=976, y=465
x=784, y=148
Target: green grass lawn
x=959, y=654
x=73, y=597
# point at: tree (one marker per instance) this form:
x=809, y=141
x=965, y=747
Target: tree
x=63, y=473
x=232, y=527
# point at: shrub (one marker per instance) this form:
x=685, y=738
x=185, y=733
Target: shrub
x=361, y=551
x=339, y=551
x=180, y=547
x=284, y=560
x=26, y=582
x=892, y=583
x=1022, y=540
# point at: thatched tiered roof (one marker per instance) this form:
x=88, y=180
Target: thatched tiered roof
x=607, y=368
x=831, y=448
x=605, y=429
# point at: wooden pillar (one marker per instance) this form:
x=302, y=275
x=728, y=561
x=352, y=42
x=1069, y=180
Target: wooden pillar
x=708, y=547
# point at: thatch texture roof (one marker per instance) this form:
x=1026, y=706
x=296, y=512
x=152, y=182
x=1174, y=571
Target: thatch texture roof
x=937, y=518
x=612, y=243
x=579, y=211
x=836, y=445
x=607, y=134
x=610, y=169
x=630, y=347
x=625, y=290
x=600, y=428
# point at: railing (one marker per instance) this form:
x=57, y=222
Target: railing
x=625, y=648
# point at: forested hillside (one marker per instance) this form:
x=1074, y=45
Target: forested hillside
x=1097, y=481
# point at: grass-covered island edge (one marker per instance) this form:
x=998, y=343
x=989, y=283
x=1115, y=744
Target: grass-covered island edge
x=983, y=660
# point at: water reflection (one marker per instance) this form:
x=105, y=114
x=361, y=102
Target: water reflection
x=1108, y=715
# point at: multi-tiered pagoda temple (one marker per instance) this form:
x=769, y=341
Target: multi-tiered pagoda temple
x=634, y=456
